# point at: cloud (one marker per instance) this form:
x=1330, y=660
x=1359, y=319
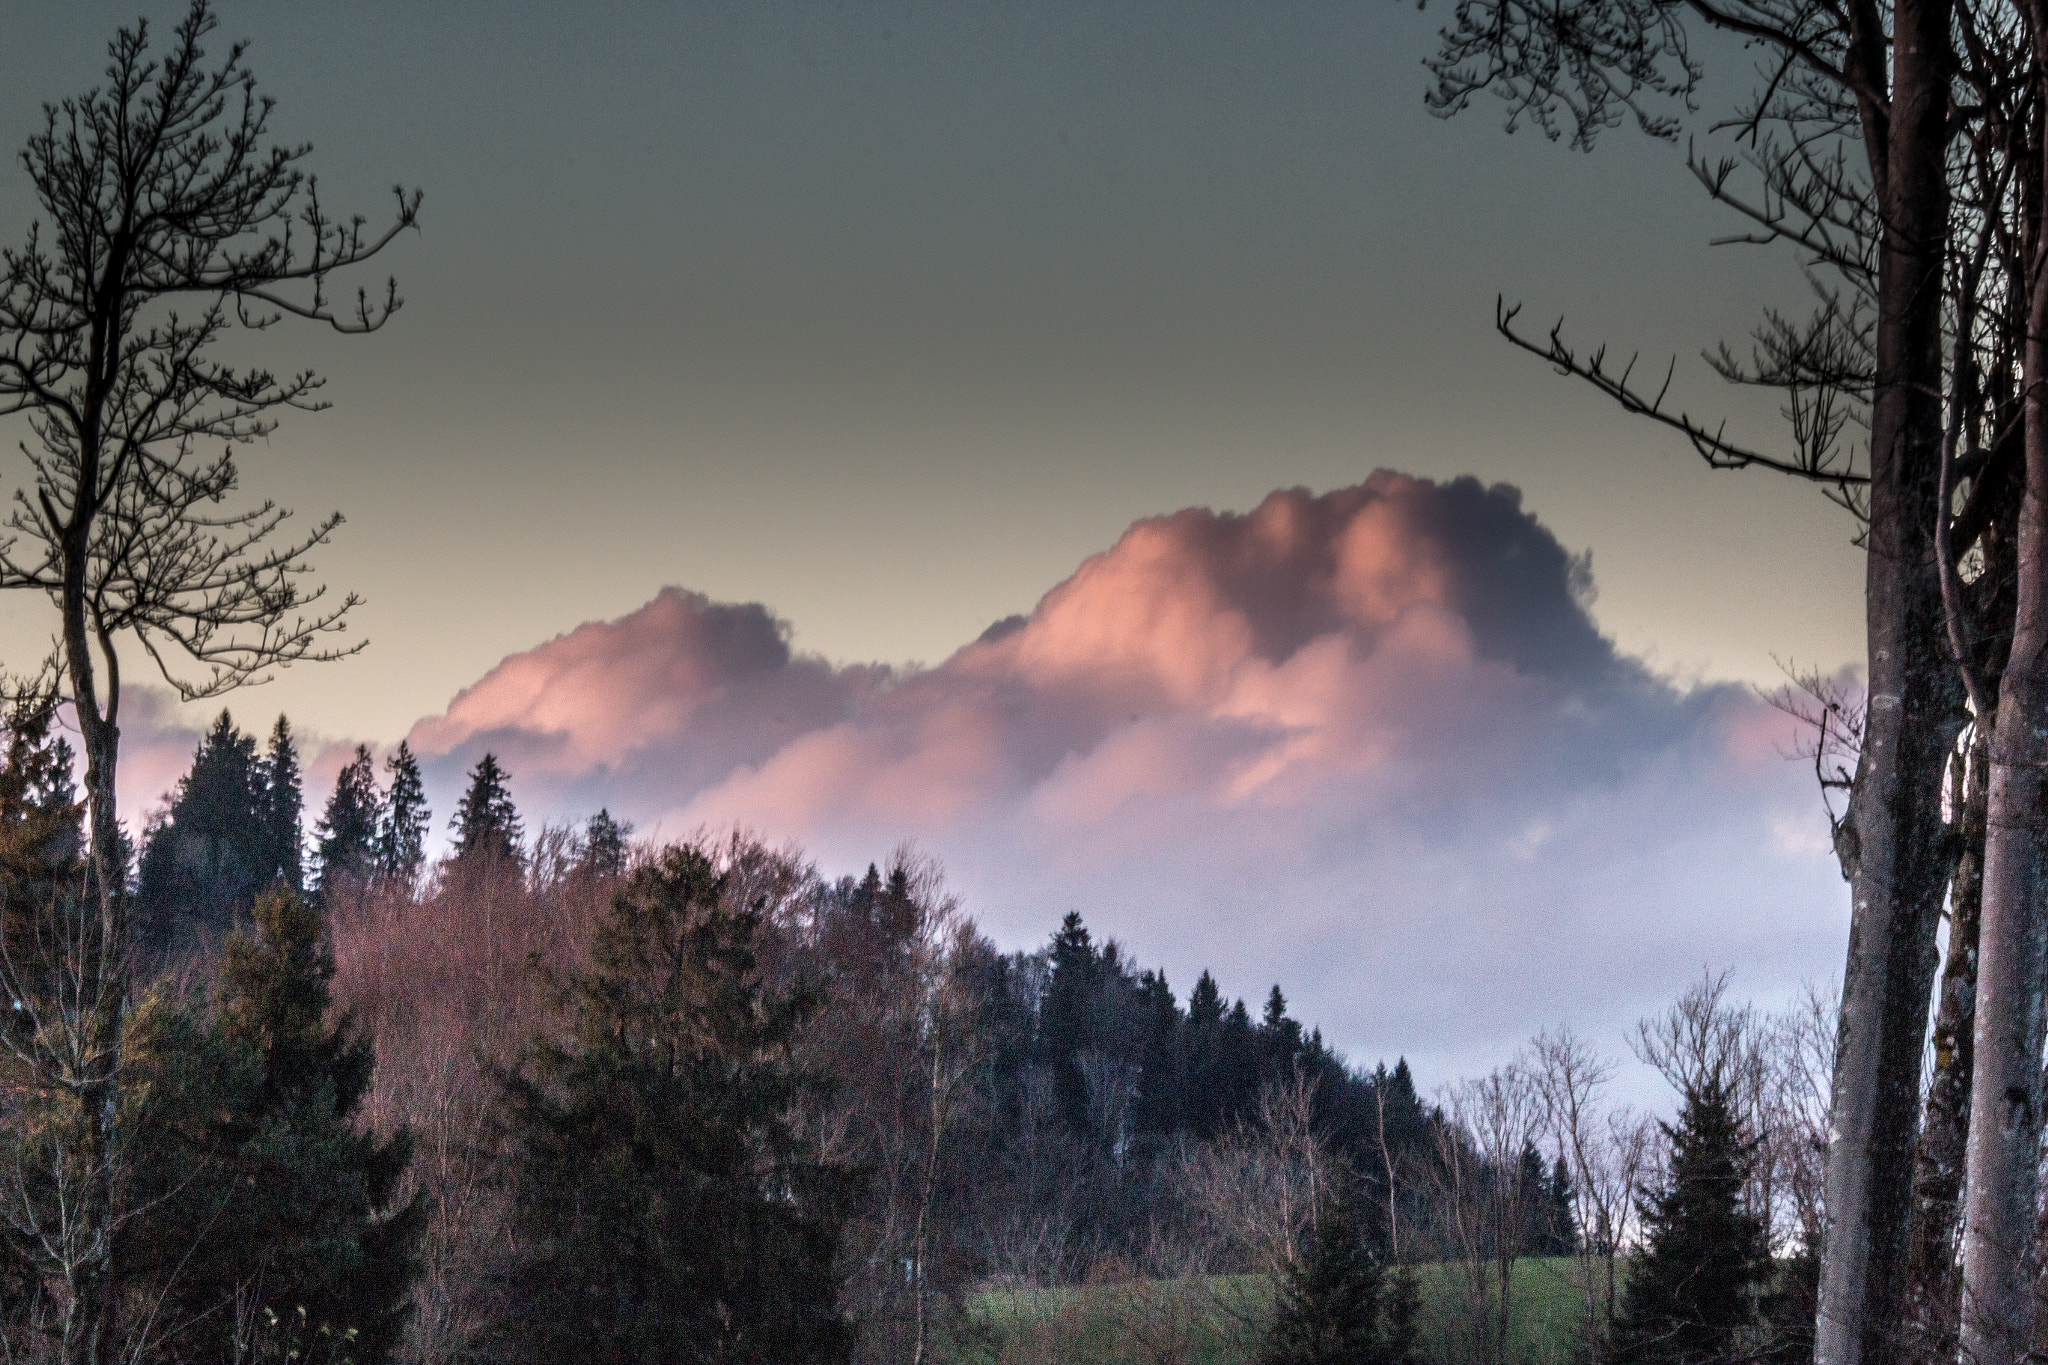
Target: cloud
x=1367, y=743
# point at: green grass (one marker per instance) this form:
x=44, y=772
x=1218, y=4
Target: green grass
x=1221, y=1320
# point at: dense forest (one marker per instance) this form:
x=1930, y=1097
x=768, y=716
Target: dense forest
x=559, y=1094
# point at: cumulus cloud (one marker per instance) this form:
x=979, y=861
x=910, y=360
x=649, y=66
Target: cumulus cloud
x=1368, y=743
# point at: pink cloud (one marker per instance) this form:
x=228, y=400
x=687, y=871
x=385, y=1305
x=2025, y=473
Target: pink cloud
x=1367, y=735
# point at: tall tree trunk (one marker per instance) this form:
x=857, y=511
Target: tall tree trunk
x=1892, y=846
x=2005, y=1103
x=101, y=947
x=1932, y=1285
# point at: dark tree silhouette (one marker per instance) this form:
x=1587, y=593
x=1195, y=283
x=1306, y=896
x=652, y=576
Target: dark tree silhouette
x=672, y=1211
x=486, y=823
x=164, y=223
x=402, y=832
x=1694, y=1291
x=282, y=810
x=1334, y=1306
x=346, y=837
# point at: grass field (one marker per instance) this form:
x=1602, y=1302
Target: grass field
x=1221, y=1320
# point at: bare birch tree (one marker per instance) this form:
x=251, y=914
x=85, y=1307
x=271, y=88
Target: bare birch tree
x=1482, y=1204
x=1570, y=1079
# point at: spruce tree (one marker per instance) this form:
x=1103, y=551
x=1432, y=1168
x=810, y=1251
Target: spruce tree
x=604, y=846
x=255, y=1172
x=402, y=828
x=486, y=823
x=1282, y=1037
x=671, y=1208
x=42, y=829
x=346, y=837
x=1161, y=1072
x=206, y=858
x=1202, y=1105
x=1692, y=1294
x=282, y=805
x=1333, y=1305
x=1063, y=1020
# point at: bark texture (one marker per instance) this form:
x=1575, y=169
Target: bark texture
x=1893, y=842
x=1932, y=1284
x=2005, y=1105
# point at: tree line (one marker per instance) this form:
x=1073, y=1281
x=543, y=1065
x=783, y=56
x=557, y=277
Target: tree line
x=488, y=1111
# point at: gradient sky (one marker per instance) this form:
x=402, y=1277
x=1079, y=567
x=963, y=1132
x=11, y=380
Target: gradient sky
x=888, y=315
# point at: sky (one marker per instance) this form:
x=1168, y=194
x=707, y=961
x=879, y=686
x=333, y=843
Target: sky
x=758, y=358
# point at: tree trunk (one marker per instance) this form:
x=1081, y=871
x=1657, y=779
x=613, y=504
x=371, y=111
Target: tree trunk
x=102, y=948
x=2005, y=1110
x=1932, y=1287
x=1892, y=843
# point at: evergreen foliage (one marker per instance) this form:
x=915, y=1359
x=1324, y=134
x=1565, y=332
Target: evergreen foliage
x=486, y=823
x=280, y=806
x=262, y=1191
x=1693, y=1293
x=402, y=832
x=42, y=820
x=211, y=851
x=346, y=837
x=672, y=1211
x=1063, y=1020
x=1334, y=1305
x=605, y=851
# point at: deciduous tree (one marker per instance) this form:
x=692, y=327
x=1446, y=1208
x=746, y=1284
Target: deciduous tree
x=165, y=221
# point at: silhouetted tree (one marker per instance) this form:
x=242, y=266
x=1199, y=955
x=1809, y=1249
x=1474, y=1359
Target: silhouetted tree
x=282, y=808
x=1063, y=1020
x=161, y=223
x=605, y=850
x=486, y=823
x=672, y=1211
x=402, y=829
x=1161, y=1077
x=205, y=861
x=1692, y=1293
x=1334, y=1305
x=346, y=837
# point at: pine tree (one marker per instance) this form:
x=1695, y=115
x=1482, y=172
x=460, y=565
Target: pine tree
x=605, y=850
x=1063, y=1020
x=1237, y=1069
x=255, y=1172
x=486, y=823
x=346, y=837
x=282, y=806
x=1203, y=1103
x=672, y=1210
x=1333, y=1305
x=1161, y=1073
x=1281, y=1036
x=207, y=857
x=42, y=828
x=402, y=829
x=1692, y=1294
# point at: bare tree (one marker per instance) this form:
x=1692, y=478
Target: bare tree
x=1570, y=1078
x=1849, y=133
x=1482, y=1203
x=1260, y=1189
x=165, y=223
